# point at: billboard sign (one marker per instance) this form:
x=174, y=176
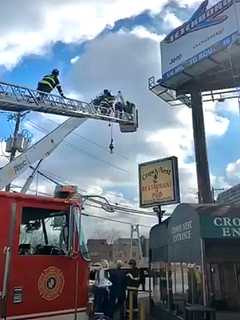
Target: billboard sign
x=158, y=182
x=208, y=31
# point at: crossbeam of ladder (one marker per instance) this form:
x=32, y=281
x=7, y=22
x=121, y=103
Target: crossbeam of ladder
x=15, y=98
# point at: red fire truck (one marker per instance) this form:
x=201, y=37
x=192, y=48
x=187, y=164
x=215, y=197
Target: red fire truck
x=43, y=266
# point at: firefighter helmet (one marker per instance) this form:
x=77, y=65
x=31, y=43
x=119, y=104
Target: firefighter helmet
x=132, y=262
x=55, y=72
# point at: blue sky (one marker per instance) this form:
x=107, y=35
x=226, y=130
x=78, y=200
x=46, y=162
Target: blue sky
x=120, y=50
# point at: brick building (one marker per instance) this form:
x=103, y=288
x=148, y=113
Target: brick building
x=122, y=250
x=99, y=249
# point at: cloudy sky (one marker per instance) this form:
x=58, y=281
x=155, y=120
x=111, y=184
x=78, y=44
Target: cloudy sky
x=111, y=44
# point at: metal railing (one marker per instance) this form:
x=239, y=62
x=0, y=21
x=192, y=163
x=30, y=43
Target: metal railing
x=18, y=99
x=169, y=95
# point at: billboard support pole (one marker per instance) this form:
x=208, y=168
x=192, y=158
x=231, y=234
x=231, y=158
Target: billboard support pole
x=203, y=179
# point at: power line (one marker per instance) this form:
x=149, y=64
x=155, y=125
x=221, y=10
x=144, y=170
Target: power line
x=86, y=214
x=122, y=209
x=112, y=220
x=125, y=210
x=76, y=148
x=92, y=142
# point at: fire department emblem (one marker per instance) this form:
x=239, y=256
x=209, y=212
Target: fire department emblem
x=51, y=283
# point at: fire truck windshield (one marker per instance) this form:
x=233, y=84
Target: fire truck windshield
x=46, y=232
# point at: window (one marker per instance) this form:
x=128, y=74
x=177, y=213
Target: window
x=81, y=233
x=49, y=232
x=43, y=232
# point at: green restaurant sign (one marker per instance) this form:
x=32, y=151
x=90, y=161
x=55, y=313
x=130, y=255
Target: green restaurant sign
x=219, y=227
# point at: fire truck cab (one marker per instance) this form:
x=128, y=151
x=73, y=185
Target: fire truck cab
x=44, y=259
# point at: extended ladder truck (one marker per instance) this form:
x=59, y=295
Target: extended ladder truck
x=43, y=255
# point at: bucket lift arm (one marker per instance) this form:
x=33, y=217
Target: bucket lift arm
x=15, y=98
x=18, y=99
x=39, y=151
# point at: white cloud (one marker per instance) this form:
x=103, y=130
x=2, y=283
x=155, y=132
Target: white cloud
x=233, y=171
x=215, y=124
x=172, y=20
x=45, y=22
x=143, y=32
x=230, y=106
x=75, y=59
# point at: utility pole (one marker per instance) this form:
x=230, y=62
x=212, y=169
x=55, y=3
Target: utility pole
x=203, y=179
x=213, y=192
x=133, y=230
x=14, y=149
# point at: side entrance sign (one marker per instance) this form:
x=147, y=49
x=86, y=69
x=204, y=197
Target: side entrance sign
x=158, y=182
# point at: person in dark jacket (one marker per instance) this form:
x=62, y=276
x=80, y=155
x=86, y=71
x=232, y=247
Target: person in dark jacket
x=105, y=102
x=129, y=107
x=117, y=291
x=142, y=279
x=49, y=82
x=133, y=281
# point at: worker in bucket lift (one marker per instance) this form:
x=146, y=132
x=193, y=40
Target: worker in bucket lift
x=105, y=101
x=49, y=82
x=129, y=107
x=108, y=97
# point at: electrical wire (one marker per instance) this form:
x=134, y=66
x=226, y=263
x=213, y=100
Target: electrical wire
x=125, y=210
x=110, y=219
x=114, y=220
x=87, y=214
x=76, y=148
x=92, y=142
x=116, y=207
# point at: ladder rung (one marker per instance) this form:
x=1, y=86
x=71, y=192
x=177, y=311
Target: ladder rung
x=17, y=99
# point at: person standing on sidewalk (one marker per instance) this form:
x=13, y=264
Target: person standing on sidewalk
x=101, y=291
x=117, y=291
x=133, y=281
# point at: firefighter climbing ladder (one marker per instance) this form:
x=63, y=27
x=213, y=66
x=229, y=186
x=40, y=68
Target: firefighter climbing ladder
x=18, y=99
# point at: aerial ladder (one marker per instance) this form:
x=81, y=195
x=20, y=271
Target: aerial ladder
x=15, y=98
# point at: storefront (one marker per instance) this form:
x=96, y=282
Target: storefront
x=196, y=258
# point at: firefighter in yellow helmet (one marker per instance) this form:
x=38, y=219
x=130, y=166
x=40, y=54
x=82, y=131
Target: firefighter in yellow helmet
x=49, y=82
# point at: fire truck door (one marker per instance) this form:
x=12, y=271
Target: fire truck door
x=44, y=275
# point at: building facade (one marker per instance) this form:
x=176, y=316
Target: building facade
x=121, y=249
x=230, y=196
x=99, y=250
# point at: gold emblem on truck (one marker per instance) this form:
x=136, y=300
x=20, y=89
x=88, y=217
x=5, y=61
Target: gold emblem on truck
x=51, y=283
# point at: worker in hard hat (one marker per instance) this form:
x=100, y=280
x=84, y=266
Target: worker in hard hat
x=105, y=102
x=49, y=82
x=117, y=295
x=133, y=281
x=129, y=107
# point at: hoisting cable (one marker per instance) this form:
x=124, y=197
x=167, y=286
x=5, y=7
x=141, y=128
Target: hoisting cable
x=111, y=145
